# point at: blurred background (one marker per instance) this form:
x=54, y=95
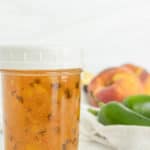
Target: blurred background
x=111, y=32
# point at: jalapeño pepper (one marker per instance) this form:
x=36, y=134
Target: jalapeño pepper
x=139, y=103
x=115, y=113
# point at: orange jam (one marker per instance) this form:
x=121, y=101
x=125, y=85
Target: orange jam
x=41, y=109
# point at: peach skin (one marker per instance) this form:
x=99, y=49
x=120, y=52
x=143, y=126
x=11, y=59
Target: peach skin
x=114, y=84
x=142, y=74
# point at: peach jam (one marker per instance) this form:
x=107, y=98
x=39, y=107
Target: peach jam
x=41, y=109
x=41, y=97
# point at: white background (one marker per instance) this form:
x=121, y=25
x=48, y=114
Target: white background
x=111, y=31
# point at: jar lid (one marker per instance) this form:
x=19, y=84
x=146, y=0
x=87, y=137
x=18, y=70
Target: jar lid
x=39, y=57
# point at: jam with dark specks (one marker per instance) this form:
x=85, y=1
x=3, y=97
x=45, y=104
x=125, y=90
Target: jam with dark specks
x=41, y=109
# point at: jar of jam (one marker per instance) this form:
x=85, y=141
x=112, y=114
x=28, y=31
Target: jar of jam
x=41, y=97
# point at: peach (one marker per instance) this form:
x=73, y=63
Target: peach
x=136, y=69
x=114, y=84
x=146, y=84
x=139, y=71
x=143, y=75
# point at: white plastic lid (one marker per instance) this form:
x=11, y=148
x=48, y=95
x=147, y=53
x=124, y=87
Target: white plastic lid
x=39, y=57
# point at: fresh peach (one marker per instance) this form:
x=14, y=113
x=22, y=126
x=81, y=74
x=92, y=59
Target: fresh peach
x=146, y=84
x=114, y=84
x=142, y=74
x=139, y=71
x=136, y=69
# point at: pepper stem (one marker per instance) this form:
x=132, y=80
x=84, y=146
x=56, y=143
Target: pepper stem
x=92, y=111
x=100, y=104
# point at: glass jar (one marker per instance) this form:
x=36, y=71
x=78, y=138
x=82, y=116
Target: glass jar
x=41, y=98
